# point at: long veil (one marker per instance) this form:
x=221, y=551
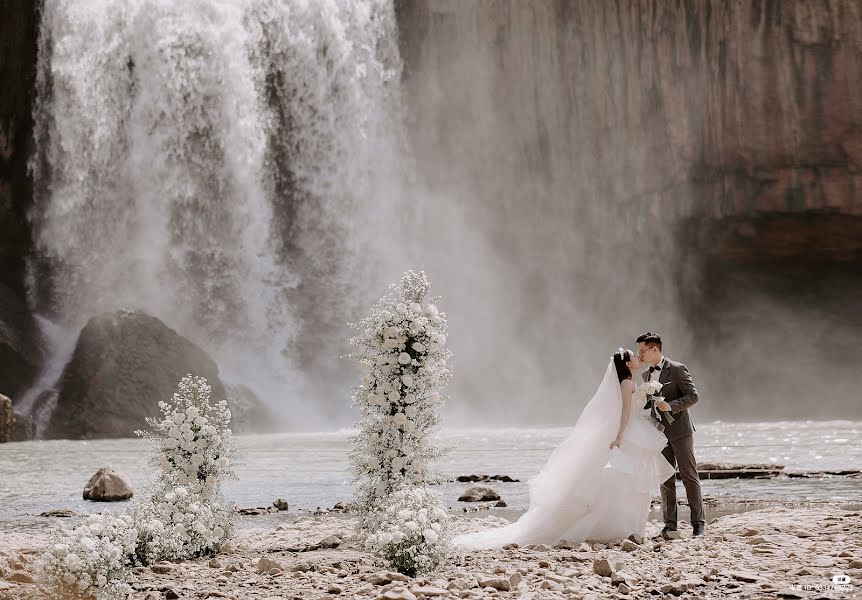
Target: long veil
x=564, y=492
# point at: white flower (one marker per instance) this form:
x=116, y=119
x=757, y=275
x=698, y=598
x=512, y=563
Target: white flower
x=179, y=418
x=409, y=398
x=431, y=309
x=404, y=358
x=181, y=492
x=407, y=380
x=400, y=418
x=411, y=411
x=430, y=536
x=394, y=397
x=223, y=462
x=192, y=412
x=418, y=346
x=416, y=307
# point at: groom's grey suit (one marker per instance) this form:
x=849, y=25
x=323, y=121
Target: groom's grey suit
x=680, y=393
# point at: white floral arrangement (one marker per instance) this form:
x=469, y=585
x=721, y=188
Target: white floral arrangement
x=183, y=515
x=403, y=345
x=412, y=533
x=653, y=389
x=90, y=561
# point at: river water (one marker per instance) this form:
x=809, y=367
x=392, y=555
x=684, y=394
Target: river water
x=310, y=470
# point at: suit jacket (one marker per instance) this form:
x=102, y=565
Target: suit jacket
x=680, y=393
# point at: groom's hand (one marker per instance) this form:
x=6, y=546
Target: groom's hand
x=662, y=405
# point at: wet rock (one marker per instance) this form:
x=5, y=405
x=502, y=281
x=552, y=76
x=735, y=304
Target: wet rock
x=478, y=478
x=479, y=493
x=281, y=504
x=498, y=583
x=628, y=546
x=108, y=485
x=384, y=577
x=397, y=593
x=500, y=504
x=63, y=513
x=602, y=567
x=429, y=591
x=266, y=565
x=7, y=420
x=163, y=568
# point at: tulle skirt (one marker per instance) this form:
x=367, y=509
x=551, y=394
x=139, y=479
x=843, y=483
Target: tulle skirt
x=608, y=504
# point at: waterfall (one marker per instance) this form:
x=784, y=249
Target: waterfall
x=215, y=164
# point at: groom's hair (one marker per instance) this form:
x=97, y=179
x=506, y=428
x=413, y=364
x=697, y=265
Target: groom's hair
x=650, y=339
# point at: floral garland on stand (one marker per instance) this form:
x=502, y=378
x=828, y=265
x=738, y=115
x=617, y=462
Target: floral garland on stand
x=402, y=344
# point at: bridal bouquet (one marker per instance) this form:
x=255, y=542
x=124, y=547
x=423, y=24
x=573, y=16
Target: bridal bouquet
x=652, y=389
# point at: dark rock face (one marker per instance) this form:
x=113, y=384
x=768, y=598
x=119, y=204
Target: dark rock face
x=19, y=32
x=124, y=364
x=687, y=108
x=20, y=345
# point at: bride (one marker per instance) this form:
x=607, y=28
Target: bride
x=596, y=484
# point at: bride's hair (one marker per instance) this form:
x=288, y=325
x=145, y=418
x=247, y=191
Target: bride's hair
x=621, y=357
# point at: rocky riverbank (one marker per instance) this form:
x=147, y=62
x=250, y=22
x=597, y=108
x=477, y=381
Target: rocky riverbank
x=781, y=551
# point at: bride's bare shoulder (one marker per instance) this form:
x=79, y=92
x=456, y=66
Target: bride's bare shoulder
x=627, y=385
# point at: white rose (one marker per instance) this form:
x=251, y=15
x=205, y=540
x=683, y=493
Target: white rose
x=416, y=307
x=200, y=528
x=411, y=411
x=174, y=432
x=401, y=307
x=394, y=396
x=223, y=462
x=404, y=358
x=411, y=526
x=170, y=497
x=400, y=418
x=178, y=517
x=409, y=398
x=398, y=463
x=218, y=533
x=410, y=426
x=419, y=346
x=407, y=380
x=200, y=421
x=192, y=412
x=179, y=530
x=433, y=347
x=431, y=309
x=392, y=331
x=430, y=536
x=197, y=460
x=435, y=397
x=181, y=492
x=179, y=418
x=404, y=514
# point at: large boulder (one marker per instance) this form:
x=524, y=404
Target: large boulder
x=108, y=485
x=7, y=420
x=124, y=364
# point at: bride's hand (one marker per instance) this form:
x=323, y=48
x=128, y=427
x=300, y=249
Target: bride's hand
x=615, y=443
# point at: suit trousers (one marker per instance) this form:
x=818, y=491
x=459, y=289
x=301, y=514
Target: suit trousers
x=680, y=453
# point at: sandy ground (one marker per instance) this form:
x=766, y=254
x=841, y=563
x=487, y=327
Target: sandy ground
x=789, y=552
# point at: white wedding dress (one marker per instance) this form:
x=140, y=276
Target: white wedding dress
x=586, y=491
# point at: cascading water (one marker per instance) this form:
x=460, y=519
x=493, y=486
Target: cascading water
x=213, y=163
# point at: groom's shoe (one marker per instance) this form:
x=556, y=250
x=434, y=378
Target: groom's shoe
x=668, y=527
x=697, y=528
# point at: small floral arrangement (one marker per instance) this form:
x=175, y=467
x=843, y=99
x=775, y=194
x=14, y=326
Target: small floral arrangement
x=91, y=560
x=411, y=531
x=652, y=390
x=402, y=344
x=183, y=514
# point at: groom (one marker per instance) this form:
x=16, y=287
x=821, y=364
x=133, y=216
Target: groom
x=679, y=394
